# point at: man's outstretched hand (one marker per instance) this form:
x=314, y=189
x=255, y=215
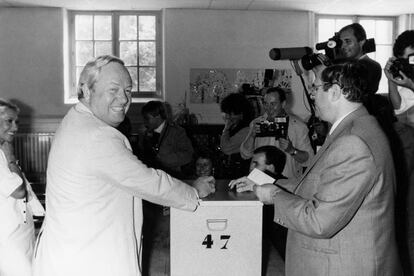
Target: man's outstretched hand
x=205, y=185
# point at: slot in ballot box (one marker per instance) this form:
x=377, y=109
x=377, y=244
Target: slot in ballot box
x=222, y=237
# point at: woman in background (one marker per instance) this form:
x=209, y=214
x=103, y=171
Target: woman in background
x=16, y=222
x=237, y=114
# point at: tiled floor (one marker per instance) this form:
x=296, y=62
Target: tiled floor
x=159, y=258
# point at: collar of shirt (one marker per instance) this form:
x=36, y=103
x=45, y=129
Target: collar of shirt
x=160, y=128
x=337, y=122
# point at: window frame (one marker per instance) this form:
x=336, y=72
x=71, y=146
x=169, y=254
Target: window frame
x=70, y=96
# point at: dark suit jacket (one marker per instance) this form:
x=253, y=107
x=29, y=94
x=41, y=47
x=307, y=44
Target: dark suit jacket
x=174, y=149
x=340, y=215
x=374, y=73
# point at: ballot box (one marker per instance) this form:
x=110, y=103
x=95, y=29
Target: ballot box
x=222, y=237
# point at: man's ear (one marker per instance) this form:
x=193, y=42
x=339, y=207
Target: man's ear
x=86, y=92
x=270, y=168
x=361, y=44
x=336, y=92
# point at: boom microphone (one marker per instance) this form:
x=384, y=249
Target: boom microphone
x=289, y=53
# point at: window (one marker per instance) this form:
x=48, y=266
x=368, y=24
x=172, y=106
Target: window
x=134, y=37
x=379, y=28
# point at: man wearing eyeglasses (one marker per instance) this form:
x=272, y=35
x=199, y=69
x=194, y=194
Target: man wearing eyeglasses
x=340, y=213
x=296, y=145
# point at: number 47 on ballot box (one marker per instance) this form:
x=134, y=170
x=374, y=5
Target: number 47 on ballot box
x=222, y=237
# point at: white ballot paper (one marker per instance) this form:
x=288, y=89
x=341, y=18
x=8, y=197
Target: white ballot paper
x=260, y=177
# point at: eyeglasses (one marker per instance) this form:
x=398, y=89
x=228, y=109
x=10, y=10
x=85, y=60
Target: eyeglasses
x=313, y=88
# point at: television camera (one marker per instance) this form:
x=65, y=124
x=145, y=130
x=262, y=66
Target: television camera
x=309, y=59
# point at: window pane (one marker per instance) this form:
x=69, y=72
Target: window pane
x=146, y=27
x=103, y=48
x=147, y=79
x=128, y=27
x=103, y=29
x=369, y=26
x=341, y=23
x=147, y=53
x=84, y=52
x=83, y=27
x=128, y=52
x=384, y=31
x=383, y=53
x=134, y=76
x=326, y=29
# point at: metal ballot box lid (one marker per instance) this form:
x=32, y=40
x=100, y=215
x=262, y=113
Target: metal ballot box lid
x=229, y=197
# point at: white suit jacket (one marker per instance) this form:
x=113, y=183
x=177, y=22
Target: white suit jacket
x=93, y=200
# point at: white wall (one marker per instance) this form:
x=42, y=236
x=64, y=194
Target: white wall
x=228, y=39
x=31, y=60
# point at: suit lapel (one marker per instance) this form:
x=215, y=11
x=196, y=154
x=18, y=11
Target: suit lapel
x=361, y=111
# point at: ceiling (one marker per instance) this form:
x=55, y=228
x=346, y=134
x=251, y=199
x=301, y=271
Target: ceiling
x=346, y=7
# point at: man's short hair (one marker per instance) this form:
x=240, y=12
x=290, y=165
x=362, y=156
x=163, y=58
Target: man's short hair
x=404, y=40
x=280, y=91
x=4, y=104
x=358, y=30
x=154, y=108
x=351, y=76
x=274, y=156
x=91, y=71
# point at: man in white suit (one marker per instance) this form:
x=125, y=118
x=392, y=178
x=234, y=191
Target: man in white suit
x=340, y=213
x=95, y=184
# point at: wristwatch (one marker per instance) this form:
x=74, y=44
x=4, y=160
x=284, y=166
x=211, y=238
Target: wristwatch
x=294, y=152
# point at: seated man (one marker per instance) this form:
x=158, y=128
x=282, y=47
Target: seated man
x=165, y=145
x=296, y=145
x=271, y=160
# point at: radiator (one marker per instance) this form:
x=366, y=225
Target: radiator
x=32, y=150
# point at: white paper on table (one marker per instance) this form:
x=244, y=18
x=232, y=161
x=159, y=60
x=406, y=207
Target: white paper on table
x=260, y=177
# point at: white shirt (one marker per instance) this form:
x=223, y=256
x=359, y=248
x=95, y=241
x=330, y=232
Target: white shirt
x=407, y=104
x=16, y=227
x=337, y=122
x=160, y=127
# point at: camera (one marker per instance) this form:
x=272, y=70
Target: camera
x=405, y=65
x=276, y=127
x=309, y=59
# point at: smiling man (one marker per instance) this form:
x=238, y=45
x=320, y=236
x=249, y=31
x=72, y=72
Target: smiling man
x=95, y=184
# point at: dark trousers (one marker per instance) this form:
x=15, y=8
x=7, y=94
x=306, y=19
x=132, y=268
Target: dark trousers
x=274, y=232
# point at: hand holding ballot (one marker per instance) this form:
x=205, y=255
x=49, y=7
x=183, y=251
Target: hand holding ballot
x=255, y=177
x=205, y=185
x=243, y=184
x=258, y=182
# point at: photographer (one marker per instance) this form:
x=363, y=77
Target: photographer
x=401, y=86
x=296, y=145
x=353, y=39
